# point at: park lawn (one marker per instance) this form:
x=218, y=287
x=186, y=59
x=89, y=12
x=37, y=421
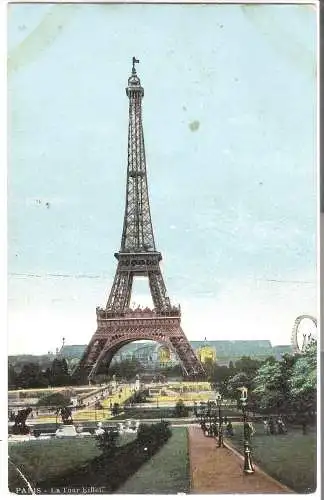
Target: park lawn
x=202, y=386
x=90, y=414
x=40, y=460
x=167, y=472
x=289, y=458
x=119, y=397
x=80, y=415
x=184, y=396
x=43, y=460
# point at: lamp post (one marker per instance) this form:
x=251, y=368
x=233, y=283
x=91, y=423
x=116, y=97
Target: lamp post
x=96, y=402
x=248, y=466
x=220, y=427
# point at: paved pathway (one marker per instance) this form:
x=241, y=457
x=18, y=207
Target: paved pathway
x=220, y=470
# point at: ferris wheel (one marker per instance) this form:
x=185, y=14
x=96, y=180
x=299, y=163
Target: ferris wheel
x=303, y=332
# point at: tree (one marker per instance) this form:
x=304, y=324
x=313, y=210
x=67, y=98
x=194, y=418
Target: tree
x=59, y=373
x=115, y=409
x=125, y=369
x=234, y=383
x=31, y=376
x=172, y=371
x=209, y=366
x=267, y=386
x=180, y=409
x=303, y=380
x=288, y=385
x=56, y=400
x=154, y=435
x=12, y=377
x=248, y=365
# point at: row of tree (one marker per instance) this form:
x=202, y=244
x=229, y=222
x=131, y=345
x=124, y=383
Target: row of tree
x=287, y=386
x=32, y=376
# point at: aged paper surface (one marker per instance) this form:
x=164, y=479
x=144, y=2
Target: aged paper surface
x=162, y=295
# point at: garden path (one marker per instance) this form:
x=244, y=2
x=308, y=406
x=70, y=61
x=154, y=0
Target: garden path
x=220, y=470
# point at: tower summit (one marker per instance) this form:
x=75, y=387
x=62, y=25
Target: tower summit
x=118, y=324
x=137, y=230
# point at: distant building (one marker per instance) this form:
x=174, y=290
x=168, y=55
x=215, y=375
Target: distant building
x=153, y=355
x=72, y=351
x=281, y=350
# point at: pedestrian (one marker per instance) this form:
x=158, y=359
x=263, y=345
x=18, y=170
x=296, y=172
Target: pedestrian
x=229, y=429
x=280, y=425
x=266, y=426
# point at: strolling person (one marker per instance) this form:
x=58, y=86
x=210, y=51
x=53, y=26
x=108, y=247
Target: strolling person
x=266, y=426
x=281, y=426
x=229, y=429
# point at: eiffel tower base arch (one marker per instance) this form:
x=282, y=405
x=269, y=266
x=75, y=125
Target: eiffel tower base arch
x=115, y=331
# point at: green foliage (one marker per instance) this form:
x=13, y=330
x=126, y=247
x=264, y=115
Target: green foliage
x=115, y=409
x=180, y=409
x=55, y=400
x=172, y=371
x=137, y=397
x=31, y=376
x=234, y=383
x=288, y=385
x=12, y=377
x=153, y=436
x=248, y=365
x=303, y=379
x=267, y=385
x=59, y=373
x=228, y=378
x=125, y=369
x=107, y=442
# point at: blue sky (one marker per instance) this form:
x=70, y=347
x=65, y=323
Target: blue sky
x=230, y=130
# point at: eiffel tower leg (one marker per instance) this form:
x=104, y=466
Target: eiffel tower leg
x=102, y=356
x=158, y=290
x=192, y=366
x=90, y=355
x=120, y=294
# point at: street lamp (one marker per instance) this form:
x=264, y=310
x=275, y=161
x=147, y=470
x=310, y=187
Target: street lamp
x=248, y=467
x=220, y=427
x=96, y=403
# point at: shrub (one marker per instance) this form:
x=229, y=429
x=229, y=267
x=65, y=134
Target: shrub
x=138, y=397
x=180, y=409
x=153, y=436
x=115, y=409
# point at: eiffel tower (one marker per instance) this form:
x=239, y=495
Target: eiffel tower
x=118, y=324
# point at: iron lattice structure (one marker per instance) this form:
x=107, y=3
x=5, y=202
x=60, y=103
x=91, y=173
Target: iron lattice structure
x=118, y=324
